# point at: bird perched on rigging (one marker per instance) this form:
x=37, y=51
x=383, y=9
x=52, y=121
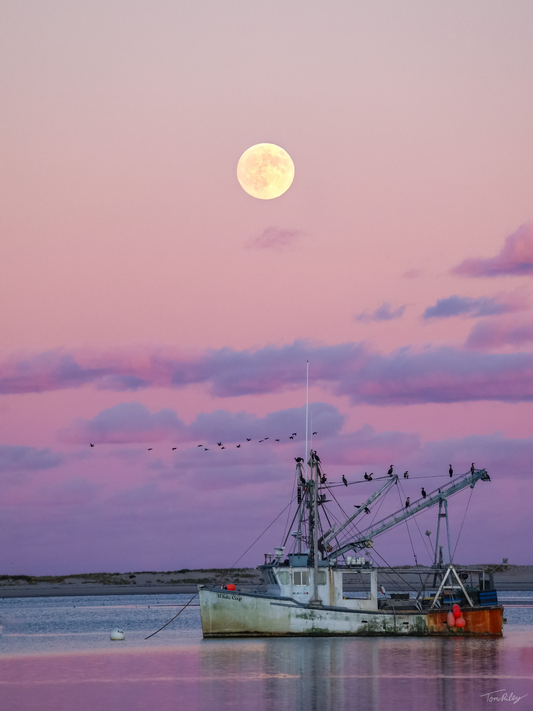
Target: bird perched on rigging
x=298, y=459
x=472, y=469
x=344, y=480
x=390, y=470
x=367, y=510
x=368, y=477
x=323, y=479
x=407, y=503
x=423, y=493
x=450, y=470
x=406, y=475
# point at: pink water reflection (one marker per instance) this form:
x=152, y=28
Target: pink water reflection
x=261, y=675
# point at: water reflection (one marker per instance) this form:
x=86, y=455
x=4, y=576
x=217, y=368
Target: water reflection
x=57, y=657
x=310, y=674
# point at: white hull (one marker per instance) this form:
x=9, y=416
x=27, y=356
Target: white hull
x=238, y=614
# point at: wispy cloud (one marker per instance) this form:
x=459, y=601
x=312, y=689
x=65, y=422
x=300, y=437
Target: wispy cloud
x=468, y=306
x=413, y=274
x=385, y=312
x=515, y=258
x=274, y=238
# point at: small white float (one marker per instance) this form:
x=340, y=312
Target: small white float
x=117, y=635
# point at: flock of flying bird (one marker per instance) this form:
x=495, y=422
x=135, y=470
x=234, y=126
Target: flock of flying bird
x=222, y=446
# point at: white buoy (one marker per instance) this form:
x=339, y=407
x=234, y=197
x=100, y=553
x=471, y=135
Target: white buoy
x=117, y=635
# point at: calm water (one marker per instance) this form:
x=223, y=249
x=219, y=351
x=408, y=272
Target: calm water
x=55, y=653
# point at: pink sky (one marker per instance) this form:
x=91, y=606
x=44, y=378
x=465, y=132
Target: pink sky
x=147, y=301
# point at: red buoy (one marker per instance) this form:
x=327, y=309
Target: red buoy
x=460, y=622
x=231, y=586
x=451, y=619
x=456, y=610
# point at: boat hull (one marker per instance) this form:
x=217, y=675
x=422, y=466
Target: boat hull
x=241, y=614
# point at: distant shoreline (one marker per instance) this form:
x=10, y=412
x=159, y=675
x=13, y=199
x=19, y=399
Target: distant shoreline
x=85, y=591
x=185, y=582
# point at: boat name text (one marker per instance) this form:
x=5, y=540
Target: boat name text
x=230, y=597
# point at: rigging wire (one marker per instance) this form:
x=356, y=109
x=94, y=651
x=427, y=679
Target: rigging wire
x=398, y=574
x=285, y=530
x=262, y=534
x=428, y=550
x=379, y=507
x=406, y=524
x=462, y=523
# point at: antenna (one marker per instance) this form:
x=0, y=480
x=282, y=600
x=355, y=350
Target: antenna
x=306, y=416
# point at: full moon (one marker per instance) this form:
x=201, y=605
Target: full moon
x=265, y=171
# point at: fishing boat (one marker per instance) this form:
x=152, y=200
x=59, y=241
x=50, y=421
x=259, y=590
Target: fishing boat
x=305, y=590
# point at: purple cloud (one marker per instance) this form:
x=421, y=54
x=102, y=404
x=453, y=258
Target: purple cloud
x=24, y=459
x=230, y=372
x=440, y=375
x=405, y=376
x=368, y=447
x=383, y=313
x=467, y=306
x=496, y=334
x=274, y=238
x=132, y=422
x=124, y=423
x=515, y=258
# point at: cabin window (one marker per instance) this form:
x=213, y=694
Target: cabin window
x=301, y=577
x=321, y=577
x=284, y=577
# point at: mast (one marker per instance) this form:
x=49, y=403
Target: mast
x=315, y=600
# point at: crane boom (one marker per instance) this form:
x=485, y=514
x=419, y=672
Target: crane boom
x=334, y=532
x=364, y=540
